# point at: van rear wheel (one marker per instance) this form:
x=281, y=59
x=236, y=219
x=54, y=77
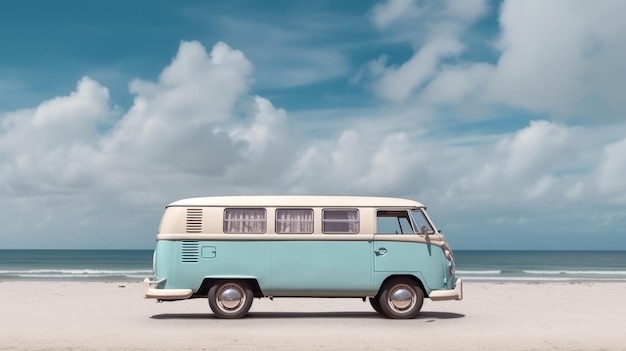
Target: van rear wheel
x=401, y=298
x=230, y=299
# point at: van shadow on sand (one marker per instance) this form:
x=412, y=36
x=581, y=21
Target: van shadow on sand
x=426, y=316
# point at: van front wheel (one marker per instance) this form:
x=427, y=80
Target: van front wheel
x=401, y=298
x=230, y=299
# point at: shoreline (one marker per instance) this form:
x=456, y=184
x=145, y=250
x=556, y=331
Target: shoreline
x=62, y=315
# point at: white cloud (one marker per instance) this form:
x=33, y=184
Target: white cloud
x=363, y=160
x=457, y=84
x=518, y=166
x=388, y=11
x=198, y=130
x=435, y=31
x=468, y=10
x=397, y=161
x=541, y=187
x=611, y=171
x=43, y=149
x=432, y=14
x=293, y=53
x=77, y=114
x=267, y=129
x=539, y=146
x=397, y=84
x=301, y=67
x=561, y=57
x=196, y=93
x=194, y=77
x=570, y=67
x=184, y=133
x=320, y=163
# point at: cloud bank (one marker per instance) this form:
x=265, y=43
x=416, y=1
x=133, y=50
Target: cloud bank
x=80, y=167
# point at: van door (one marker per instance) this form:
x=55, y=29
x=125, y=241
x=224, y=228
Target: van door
x=400, y=249
x=390, y=253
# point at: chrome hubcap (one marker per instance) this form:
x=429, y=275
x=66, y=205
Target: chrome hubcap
x=230, y=297
x=401, y=298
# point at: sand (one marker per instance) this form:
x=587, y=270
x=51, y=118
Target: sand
x=492, y=316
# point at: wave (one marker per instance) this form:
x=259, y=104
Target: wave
x=96, y=274
x=546, y=275
x=540, y=272
x=542, y=279
x=74, y=271
x=481, y=272
x=565, y=272
x=521, y=279
x=80, y=276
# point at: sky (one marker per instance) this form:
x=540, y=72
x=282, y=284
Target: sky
x=506, y=118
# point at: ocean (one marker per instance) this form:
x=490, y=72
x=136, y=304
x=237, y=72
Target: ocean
x=539, y=266
x=135, y=265
x=76, y=265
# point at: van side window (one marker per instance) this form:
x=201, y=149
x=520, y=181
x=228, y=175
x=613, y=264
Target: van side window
x=393, y=222
x=294, y=221
x=245, y=220
x=340, y=221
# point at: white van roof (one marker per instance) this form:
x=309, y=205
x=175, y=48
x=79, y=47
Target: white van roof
x=296, y=201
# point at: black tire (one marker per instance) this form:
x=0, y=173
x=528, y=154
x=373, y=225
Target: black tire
x=376, y=305
x=401, y=298
x=230, y=299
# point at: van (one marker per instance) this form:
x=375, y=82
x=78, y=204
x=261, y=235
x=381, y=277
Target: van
x=233, y=249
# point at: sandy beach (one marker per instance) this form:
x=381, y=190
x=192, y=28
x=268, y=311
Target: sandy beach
x=493, y=316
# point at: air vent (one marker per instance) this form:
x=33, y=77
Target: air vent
x=190, y=251
x=194, y=220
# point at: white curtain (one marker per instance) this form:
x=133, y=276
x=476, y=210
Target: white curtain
x=294, y=221
x=341, y=221
x=353, y=221
x=239, y=220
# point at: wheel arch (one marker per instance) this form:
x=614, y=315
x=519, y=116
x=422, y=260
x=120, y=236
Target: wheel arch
x=417, y=281
x=208, y=282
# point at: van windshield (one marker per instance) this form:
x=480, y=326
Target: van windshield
x=422, y=224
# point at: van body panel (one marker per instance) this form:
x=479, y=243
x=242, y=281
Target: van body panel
x=164, y=263
x=321, y=268
x=196, y=260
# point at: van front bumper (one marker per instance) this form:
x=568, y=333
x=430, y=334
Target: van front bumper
x=453, y=294
x=163, y=294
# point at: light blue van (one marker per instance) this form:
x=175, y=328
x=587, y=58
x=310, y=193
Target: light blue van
x=232, y=249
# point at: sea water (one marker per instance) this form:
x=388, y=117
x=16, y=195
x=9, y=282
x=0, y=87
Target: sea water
x=541, y=265
x=135, y=265
x=79, y=265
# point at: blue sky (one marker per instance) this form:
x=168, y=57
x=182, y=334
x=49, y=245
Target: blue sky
x=505, y=117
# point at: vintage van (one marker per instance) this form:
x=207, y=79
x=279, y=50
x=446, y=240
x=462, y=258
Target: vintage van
x=232, y=249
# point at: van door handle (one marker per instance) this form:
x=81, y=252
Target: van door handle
x=381, y=251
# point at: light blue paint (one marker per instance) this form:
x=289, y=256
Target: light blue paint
x=232, y=259
x=312, y=268
x=420, y=260
x=301, y=268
